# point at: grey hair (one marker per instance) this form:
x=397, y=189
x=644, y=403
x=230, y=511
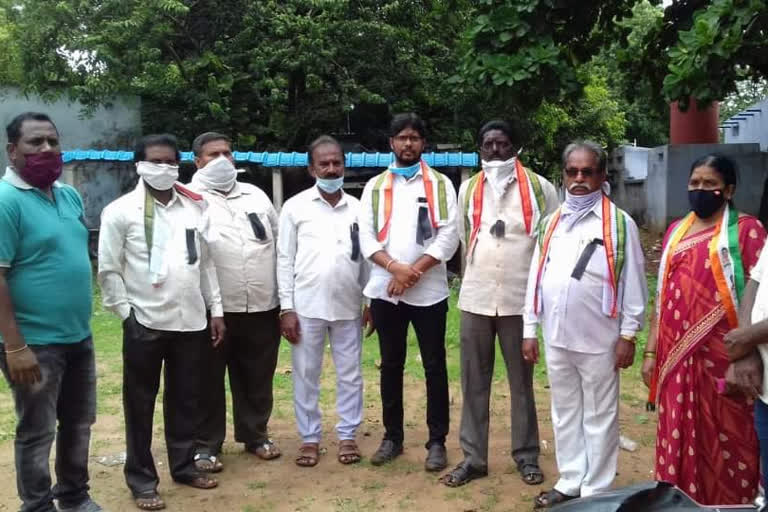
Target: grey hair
x=592, y=147
x=322, y=141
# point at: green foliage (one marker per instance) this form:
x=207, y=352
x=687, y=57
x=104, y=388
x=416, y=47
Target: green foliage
x=10, y=52
x=272, y=73
x=725, y=42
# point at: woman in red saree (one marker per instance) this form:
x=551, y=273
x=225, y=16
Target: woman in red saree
x=706, y=443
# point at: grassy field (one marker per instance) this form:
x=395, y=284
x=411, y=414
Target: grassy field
x=108, y=433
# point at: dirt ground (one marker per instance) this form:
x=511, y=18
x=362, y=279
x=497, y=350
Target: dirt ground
x=248, y=484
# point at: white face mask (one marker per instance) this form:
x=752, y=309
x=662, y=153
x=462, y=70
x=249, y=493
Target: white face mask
x=218, y=174
x=158, y=176
x=499, y=168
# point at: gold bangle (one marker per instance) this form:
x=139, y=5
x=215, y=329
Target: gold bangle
x=390, y=262
x=630, y=339
x=284, y=312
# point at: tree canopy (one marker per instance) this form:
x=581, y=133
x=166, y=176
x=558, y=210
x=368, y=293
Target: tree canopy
x=274, y=74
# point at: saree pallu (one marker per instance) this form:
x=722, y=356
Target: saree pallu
x=706, y=442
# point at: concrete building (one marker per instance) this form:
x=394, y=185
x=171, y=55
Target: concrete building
x=115, y=125
x=748, y=126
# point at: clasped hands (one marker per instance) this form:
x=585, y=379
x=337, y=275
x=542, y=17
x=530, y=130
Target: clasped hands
x=404, y=276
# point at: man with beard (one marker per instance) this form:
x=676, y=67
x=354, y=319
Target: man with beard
x=586, y=288
x=408, y=230
x=45, y=312
x=156, y=274
x=244, y=252
x=499, y=212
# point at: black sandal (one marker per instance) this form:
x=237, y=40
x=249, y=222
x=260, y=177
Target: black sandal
x=531, y=473
x=461, y=475
x=149, y=501
x=547, y=499
x=207, y=463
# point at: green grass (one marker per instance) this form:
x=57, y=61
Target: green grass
x=107, y=336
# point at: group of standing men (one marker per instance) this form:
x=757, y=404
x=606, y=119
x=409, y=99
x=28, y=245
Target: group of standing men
x=206, y=277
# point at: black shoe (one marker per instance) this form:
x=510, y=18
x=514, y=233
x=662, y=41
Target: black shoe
x=436, y=460
x=387, y=451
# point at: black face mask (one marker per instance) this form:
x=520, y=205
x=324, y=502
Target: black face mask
x=705, y=202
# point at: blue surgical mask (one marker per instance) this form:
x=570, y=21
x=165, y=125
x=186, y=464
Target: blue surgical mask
x=330, y=185
x=406, y=172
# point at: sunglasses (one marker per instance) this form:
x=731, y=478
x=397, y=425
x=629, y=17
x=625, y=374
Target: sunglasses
x=587, y=173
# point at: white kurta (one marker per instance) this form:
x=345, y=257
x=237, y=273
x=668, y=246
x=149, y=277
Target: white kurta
x=579, y=343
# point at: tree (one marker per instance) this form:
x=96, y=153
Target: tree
x=10, y=55
x=271, y=73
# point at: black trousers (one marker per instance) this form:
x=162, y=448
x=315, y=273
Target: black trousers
x=249, y=351
x=392, y=327
x=144, y=352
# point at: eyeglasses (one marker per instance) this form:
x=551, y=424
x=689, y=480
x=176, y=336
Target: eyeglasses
x=587, y=173
x=413, y=139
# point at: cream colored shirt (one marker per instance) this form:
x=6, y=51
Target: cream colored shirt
x=180, y=302
x=495, y=279
x=245, y=265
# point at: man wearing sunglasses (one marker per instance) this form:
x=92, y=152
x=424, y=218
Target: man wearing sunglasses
x=499, y=211
x=321, y=273
x=244, y=251
x=586, y=288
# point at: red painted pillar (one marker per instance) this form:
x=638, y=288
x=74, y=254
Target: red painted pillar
x=694, y=126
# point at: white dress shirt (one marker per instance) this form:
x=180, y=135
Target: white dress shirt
x=759, y=273
x=495, y=279
x=401, y=244
x=180, y=302
x=572, y=315
x=316, y=274
x=245, y=265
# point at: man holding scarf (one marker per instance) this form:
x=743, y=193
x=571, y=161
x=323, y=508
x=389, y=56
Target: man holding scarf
x=586, y=288
x=408, y=229
x=45, y=311
x=156, y=274
x=499, y=212
x=243, y=249
x=321, y=274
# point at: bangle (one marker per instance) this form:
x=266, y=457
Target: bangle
x=284, y=312
x=390, y=262
x=649, y=354
x=630, y=339
x=17, y=349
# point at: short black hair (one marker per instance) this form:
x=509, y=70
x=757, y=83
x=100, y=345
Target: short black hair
x=496, y=124
x=204, y=138
x=322, y=141
x=724, y=166
x=588, y=145
x=13, y=130
x=407, y=120
x=160, y=139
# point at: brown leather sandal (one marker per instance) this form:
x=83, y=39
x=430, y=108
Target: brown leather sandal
x=349, y=453
x=548, y=499
x=308, y=455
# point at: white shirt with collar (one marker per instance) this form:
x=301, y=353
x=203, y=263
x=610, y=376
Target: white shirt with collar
x=178, y=304
x=246, y=266
x=759, y=273
x=495, y=279
x=316, y=274
x=401, y=244
x=572, y=315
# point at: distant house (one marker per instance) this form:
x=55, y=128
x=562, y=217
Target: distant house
x=748, y=126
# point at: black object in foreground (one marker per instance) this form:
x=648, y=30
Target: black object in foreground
x=644, y=497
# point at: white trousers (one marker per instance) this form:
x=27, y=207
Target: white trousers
x=585, y=417
x=307, y=356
